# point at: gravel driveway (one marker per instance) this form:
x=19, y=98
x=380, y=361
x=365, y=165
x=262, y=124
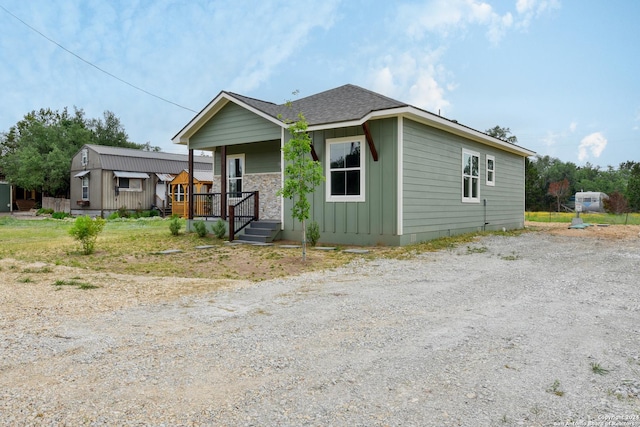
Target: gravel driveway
x=534, y=330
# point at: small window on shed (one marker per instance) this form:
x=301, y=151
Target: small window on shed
x=84, y=157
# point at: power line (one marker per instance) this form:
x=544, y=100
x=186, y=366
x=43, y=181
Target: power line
x=94, y=65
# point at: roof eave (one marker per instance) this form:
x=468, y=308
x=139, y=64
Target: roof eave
x=432, y=120
x=211, y=110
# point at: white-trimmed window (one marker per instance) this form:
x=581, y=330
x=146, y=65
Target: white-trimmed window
x=345, y=169
x=235, y=171
x=84, y=157
x=470, y=176
x=179, y=193
x=491, y=170
x=85, y=187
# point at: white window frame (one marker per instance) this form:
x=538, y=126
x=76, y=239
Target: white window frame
x=470, y=177
x=84, y=157
x=345, y=198
x=85, y=186
x=490, y=172
x=242, y=174
x=179, y=193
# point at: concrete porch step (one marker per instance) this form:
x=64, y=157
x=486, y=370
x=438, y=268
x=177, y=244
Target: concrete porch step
x=263, y=231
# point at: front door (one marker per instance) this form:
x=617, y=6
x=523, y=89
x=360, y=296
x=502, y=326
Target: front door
x=235, y=171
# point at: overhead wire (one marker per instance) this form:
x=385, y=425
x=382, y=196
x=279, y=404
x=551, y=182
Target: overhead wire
x=94, y=65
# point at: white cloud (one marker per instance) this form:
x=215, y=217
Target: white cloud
x=591, y=145
x=529, y=9
x=550, y=139
x=415, y=77
x=447, y=17
x=573, y=126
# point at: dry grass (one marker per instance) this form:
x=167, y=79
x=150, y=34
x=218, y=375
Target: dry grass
x=133, y=247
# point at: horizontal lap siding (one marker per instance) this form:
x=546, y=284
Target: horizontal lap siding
x=432, y=193
x=360, y=223
x=234, y=125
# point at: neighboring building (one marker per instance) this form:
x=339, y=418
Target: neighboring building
x=6, y=199
x=179, y=191
x=105, y=179
x=395, y=174
x=590, y=201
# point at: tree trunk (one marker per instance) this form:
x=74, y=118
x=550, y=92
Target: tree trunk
x=304, y=241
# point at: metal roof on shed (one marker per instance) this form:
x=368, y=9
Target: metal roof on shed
x=128, y=159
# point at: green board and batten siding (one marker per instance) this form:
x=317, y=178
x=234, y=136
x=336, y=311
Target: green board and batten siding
x=371, y=222
x=431, y=179
x=259, y=157
x=432, y=186
x=234, y=125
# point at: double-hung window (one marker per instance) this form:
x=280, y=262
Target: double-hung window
x=85, y=187
x=345, y=169
x=470, y=176
x=491, y=170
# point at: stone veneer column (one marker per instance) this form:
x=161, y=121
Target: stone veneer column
x=267, y=184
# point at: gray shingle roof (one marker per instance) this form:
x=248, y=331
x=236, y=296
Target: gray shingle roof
x=133, y=160
x=344, y=103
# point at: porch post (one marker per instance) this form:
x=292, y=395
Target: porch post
x=256, y=206
x=190, y=186
x=223, y=182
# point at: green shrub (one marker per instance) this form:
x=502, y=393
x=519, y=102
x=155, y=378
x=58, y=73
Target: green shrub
x=219, y=229
x=175, y=224
x=313, y=233
x=154, y=212
x=44, y=211
x=60, y=215
x=201, y=228
x=123, y=212
x=113, y=215
x=86, y=231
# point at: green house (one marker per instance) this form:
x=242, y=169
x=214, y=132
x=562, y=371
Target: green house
x=395, y=174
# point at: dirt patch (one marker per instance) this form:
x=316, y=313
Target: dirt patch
x=602, y=231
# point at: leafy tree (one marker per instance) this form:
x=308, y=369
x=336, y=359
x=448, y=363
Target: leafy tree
x=616, y=203
x=36, y=153
x=534, y=187
x=302, y=174
x=633, y=186
x=502, y=133
x=559, y=190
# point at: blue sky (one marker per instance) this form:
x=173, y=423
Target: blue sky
x=563, y=75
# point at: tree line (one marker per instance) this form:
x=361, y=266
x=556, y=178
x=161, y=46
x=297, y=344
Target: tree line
x=549, y=182
x=36, y=153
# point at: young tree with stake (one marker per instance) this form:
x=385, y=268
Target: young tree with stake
x=302, y=174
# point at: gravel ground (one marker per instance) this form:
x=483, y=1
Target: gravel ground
x=534, y=330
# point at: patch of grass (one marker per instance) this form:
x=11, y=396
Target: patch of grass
x=25, y=280
x=592, y=218
x=476, y=250
x=555, y=389
x=512, y=257
x=41, y=270
x=596, y=368
x=74, y=282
